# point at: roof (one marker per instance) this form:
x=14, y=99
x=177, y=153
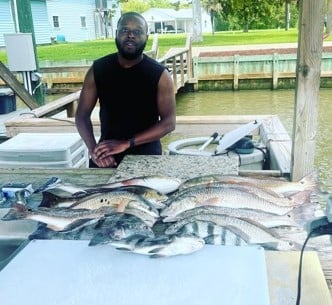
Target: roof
x=166, y=14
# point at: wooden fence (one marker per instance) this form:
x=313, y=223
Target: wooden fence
x=229, y=72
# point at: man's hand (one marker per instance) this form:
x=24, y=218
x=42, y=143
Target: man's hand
x=104, y=162
x=110, y=147
x=103, y=152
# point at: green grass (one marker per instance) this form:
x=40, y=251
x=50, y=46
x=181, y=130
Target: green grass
x=90, y=50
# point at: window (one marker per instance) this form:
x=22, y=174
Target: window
x=83, y=21
x=56, y=23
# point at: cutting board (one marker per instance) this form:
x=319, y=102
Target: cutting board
x=70, y=272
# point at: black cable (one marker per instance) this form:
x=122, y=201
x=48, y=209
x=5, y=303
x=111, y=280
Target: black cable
x=320, y=227
x=300, y=270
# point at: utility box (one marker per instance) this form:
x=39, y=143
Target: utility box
x=7, y=100
x=20, y=52
x=47, y=150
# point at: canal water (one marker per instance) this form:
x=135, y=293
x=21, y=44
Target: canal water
x=279, y=102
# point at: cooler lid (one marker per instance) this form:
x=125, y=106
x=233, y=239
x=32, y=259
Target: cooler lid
x=6, y=91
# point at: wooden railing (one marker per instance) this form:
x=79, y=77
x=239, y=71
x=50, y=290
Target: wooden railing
x=179, y=63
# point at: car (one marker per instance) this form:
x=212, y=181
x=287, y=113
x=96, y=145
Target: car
x=170, y=29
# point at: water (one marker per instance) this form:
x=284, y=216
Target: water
x=278, y=102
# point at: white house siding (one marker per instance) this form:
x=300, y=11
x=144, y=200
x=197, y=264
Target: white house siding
x=7, y=25
x=70, y=13
x=40, y=22
x=159, y=18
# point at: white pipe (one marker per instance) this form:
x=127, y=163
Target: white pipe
x=17, y=26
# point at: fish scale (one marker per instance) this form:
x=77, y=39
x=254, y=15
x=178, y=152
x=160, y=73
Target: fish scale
x=249, y=231
x=262, y=217
x=276, y=185
x=220, y=196
x=212, y=233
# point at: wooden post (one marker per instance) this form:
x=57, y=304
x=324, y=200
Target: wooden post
x=236, y=67
x=275, y=71
x=308, y=71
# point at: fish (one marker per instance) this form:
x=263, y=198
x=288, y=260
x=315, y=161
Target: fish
x=60, y=219
x=294, y=200
x=280, y=186
x=266, y=219
x=117, y=225
x=50, y=199
x=162, y=184
x=248, y=230
x=156, y=198
x=82, y=232
x=162, y=246
x=220, y=196
x=212, y=233
x=90, y=201
x=117, y=199
x=57, y=183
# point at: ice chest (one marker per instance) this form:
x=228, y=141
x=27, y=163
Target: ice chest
x=44, y=150
x=7, y=101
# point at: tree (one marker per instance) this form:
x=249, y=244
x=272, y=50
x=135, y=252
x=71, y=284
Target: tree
x=141, y=6
x=247, y=12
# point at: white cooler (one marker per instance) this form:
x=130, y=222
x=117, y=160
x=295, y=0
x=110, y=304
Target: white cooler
x=55, y=150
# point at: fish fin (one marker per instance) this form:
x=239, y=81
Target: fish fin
x=270, y=245
x=301, y=197
x=157, y=256
x=155, y=250
x=75, y=224
x=302, y=213
x=122, y=206
x=51, y=183
x=123, y=249
x=98, y=239
x=17, y=211
x=41, y=232
x=310, y=181
x=49, y=199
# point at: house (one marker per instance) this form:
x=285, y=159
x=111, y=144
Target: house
x=166, y=20
x=63, y=20
x=8, y=24
x=79, y=20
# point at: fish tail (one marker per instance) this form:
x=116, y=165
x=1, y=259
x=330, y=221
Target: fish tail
x=302, y=197
x=310, y=181
x=301, y=214
x=17, y=211
x=49, y=199
x=41, y=232
x=51, y=183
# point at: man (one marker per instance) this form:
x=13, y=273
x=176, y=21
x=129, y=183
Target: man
x=135, y=95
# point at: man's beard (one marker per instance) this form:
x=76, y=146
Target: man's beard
x=130, y=55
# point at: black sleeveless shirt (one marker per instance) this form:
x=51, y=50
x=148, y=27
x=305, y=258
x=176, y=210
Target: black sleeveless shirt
x=128, y=101
x=127, y=97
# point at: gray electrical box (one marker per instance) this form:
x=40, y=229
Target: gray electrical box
x=20, y=52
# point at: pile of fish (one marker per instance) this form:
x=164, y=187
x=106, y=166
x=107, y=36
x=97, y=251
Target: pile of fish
x=163, y=216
